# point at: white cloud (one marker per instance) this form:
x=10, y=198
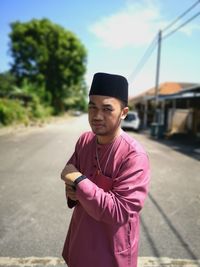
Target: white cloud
x=135, y=25
x=190, y=29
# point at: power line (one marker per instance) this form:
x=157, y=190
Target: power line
x=182, y=25
x=154, y=42
x=181, y=16
x=144, y=58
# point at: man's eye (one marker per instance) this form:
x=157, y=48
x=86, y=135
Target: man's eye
x=91, y=107
x=108, y=109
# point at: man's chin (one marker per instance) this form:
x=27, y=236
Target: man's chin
x=98, y=132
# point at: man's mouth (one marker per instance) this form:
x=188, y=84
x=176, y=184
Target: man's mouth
x=97, y=124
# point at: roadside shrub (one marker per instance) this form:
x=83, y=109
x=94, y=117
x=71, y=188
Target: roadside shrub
x=12, y=111
x=37, y=110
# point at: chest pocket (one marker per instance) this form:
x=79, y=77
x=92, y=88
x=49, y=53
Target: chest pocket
x=103, y=182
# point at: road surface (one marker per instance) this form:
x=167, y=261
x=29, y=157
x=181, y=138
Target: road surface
x=34, y=216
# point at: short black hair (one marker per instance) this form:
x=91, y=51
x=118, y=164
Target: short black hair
x=123, y=104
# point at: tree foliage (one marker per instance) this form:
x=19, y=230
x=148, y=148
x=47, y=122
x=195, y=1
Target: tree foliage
x=50, y=57
x=7, y=83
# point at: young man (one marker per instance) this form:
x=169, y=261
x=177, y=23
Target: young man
x=106, y=181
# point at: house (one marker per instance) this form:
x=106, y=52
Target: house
x=175, y=106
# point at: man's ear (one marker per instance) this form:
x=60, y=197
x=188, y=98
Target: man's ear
x=124, y=113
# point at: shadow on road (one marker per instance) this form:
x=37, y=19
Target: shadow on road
x=154, y=246
x=183, y=243
x=186, y=144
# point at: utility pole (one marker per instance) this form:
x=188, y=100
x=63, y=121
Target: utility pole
x=157, y=76
x=156, y=128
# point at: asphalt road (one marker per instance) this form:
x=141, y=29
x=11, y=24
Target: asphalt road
x=34, y=217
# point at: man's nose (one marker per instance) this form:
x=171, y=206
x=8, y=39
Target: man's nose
x=98, y=115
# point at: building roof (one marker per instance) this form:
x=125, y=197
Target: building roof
x=166, y=88
x=192, y=92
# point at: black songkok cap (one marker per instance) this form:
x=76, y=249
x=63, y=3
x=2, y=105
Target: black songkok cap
x=112, y=85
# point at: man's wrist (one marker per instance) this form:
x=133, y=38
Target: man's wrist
x=78, y=180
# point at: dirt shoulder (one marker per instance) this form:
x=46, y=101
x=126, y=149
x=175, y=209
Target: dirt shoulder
x=20, y=128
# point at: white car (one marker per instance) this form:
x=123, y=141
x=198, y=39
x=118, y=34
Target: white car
x=132, y=121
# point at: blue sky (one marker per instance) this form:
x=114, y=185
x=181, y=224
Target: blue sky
x=116, y=34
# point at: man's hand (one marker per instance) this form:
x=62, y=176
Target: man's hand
x=69, y=174
x=70, y=192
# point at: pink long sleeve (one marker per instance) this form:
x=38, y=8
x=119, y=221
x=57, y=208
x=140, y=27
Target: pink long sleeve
x=126, y=197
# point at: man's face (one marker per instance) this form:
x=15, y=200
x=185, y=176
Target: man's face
x=105, y=114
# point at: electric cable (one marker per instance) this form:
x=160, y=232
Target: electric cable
x=181, y=16
x=144, y=58
x=154, y=43
x=182, y=25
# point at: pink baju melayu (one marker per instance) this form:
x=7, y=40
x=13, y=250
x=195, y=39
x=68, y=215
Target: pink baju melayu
x=104, y=229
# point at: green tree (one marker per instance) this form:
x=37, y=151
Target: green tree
x=7, y=83
x=47, y=55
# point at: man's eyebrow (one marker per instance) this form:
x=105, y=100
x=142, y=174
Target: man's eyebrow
x=107, y=106
x=104, y=105
x=91, y=103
